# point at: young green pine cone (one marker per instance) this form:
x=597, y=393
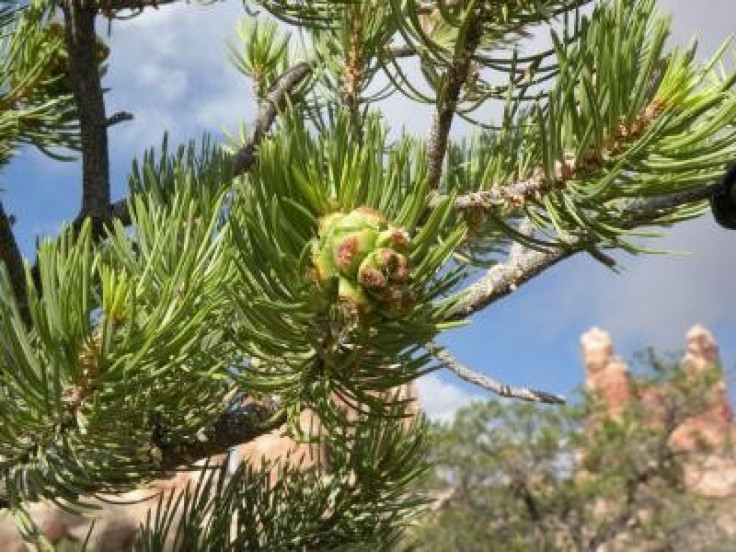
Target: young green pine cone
x=365, y=259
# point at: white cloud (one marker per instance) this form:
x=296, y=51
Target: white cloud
x=170, y=68
x=170, y=85
x=439, y=399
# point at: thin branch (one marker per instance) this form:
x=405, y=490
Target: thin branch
x=501, y=280
x=245, y=157
x=642, y=211
x=481, y=380
x=11, y=256
x=84, y=75
x=454, y=80
x=119, y=117
x=274, y=101
x=400, y=50
x=517, y=193
x=109, y=7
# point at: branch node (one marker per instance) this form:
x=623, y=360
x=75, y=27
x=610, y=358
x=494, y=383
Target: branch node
x=119, y=117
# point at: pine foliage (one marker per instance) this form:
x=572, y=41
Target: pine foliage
x=140, y=328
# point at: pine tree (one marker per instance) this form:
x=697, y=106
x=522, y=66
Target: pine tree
x=312, y=261
x=580, y=477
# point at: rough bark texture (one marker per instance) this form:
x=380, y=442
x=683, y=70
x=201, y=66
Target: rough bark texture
x=84, y=72
x=10, y=256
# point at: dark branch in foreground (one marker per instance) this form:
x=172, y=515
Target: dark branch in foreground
x=84, y=73
x=481, y=380
x=109, y=7
x=232, y=428
x=119, y=117
x=10, y=255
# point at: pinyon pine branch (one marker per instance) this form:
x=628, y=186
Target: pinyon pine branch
x=84, y=73
x=503, y=279
x=488, y=383
x=244, y=158
x=232, y=428
x=455, y=77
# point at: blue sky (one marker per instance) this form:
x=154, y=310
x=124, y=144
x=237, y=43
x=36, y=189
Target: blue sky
x=169, y=67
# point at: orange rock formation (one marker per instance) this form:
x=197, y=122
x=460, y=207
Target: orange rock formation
x=706, y=435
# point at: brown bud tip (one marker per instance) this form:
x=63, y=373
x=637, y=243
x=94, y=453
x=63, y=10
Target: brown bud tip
x=400, y=239
x=371, y=278
x=346, y=251
x=389, y=260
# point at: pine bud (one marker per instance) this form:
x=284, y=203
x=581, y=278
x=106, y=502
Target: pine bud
x=351, y=249
x=362, y=260
x=395, y=238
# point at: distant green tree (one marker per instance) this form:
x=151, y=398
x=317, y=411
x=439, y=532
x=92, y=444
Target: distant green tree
x=528, y=477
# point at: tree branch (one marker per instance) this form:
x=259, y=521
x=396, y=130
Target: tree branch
x=84, y=75
x=232, y=428
x=274, y=101
x=453, y=82
x=245, y=157
x=109, y=7
x=481, y=380
x=500, y=280
x=512, y=194
x=119, y=117
x=11, y=256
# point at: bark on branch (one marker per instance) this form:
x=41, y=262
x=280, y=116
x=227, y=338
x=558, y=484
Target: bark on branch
x=109, y=7
x=274, y=101
x=489, y=384
x=500, y=280
x=10, y=255
x=84, y=75
x=243, y=159
x=232, y=428
x=454, y=80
